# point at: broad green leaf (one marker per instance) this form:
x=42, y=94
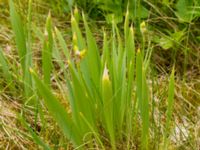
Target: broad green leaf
x=137, y=10
x=70, y=2
x=59, y=113
x=183, y=10
x=107, y=95
x=166, y=2
x=81, y=102
x=166, y=42
x=142, y=97
x=92, y=55
x=145, y=111
x=169, y=41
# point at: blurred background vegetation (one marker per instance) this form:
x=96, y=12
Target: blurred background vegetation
x=171, y=26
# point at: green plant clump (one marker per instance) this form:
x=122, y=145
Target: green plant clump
x=108, y=88
x=101, y=91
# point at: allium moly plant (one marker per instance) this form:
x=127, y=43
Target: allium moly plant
x=108, y=91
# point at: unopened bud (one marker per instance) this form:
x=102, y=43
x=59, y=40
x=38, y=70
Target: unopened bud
x=105, y=74
x=143, y=27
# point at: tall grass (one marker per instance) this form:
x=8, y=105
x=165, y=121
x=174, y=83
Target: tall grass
x=5, y=67
x=169, y=111
x=100, y=89
x=23, y=43
x=47, y=51
x=108, y=88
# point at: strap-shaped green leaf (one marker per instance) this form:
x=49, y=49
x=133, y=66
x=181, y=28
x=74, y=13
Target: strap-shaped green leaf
x=18, y=29
x=58, y=111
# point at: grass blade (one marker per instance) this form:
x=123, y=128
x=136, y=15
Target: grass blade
x=169, y=111
x=47, y=51
x=35, y=137
x=5, y=67
x=62, y=43
x=18, y=29
x=77, y=35
x=28, y=58
x=23, y=45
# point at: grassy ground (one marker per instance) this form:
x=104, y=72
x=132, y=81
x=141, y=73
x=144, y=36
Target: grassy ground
x=185, y=132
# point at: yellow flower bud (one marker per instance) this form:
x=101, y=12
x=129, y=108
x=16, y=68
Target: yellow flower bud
x=75, y=48
x=106, y=86
x=82, y=53
x=105, y=74
x=143, y=27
